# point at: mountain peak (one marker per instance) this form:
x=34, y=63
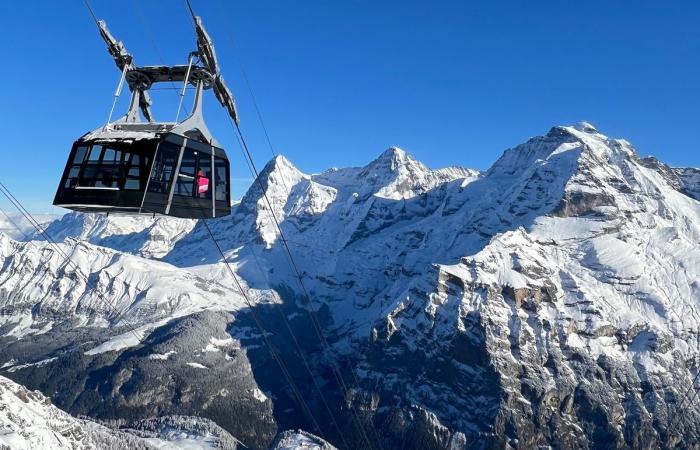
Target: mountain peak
x=279, y=162
x=394, y=152
x=391, y=160
x=280, y=170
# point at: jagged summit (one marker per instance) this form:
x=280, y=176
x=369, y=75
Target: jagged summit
x=279, y=162
x=393, y=158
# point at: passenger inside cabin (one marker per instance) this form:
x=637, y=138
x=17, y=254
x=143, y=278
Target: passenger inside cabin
x=202, y=184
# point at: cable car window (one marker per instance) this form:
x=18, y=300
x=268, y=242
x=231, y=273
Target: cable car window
x=133, y=174
x=109, y=155
x=163, y=168
x=102, y=169
x=186, y=177
x=221, y=179
x=72, y=179
x=204, y=179
x=95, y=153
x=132, y=184
x=79, y=154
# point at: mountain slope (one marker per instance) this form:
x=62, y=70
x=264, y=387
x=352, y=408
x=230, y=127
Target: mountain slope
x=28, y=420
x=572, y=249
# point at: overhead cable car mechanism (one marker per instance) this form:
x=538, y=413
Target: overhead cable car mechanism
x=146, y=167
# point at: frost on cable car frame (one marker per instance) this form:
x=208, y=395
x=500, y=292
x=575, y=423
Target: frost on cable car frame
x=170, y=168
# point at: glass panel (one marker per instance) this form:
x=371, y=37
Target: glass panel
x=204, y=179
x=79, y=154
x=72, y=178
x=163, y=167
x=189, y=160
x=221, y=179
x=131, y=183
x=186, y=177
x=90, y=172
x=134, y=169
x=95, y=153
x=109, y=155
x=107, y=177
x=105, y=168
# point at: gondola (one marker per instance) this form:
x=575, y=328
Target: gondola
x=135, y=166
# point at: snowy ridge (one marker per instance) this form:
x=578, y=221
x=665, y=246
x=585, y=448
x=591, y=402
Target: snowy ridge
x=140, y=235
x=37, y=289
x=611, y=274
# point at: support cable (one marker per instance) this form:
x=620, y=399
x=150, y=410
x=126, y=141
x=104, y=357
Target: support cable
x=248, y=84
x=326, y=348
x=300, y=352
x=7, y=216
x=268, y=343
x=676, y=419
x=309, y=306
x=92, y=13
x=67, y=260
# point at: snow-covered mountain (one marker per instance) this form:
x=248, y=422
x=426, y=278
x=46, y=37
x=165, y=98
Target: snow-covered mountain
x=28, y=421
x=552, y=300
x=140, y=235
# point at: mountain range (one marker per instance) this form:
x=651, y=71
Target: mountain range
x=551, y=300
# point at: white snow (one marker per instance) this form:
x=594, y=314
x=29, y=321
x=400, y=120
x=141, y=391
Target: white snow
x=162, y=356
x=28, y=421
x=259, y=395
x=301, y=440
x=197, y=365
x=184, y=441
x=120, y=342
x=216, y=344
x=613, y=254
x=36, y=364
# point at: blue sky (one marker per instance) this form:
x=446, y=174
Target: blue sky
x=452, y=82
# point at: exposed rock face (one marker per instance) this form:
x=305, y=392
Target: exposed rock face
x=553, y=300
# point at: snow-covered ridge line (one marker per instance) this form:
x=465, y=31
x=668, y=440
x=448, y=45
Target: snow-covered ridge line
x=37, y=289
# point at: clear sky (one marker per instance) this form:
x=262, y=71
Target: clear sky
x=451, y=82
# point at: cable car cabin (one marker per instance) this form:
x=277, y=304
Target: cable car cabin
x=148, y=167
x=165, y=174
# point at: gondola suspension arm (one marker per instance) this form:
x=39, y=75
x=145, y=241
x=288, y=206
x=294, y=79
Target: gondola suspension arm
x=125, y=63
x=207, y=54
